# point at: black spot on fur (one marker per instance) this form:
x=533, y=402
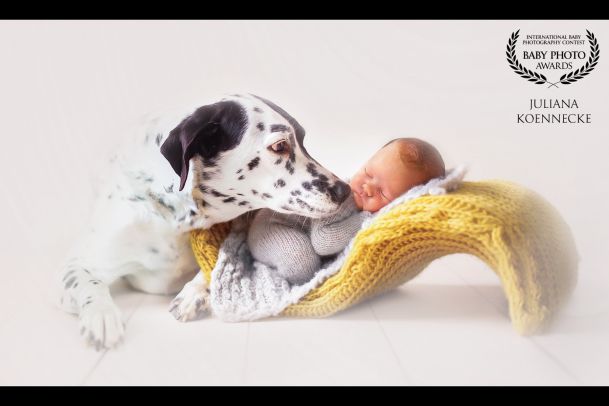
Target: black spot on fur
x=260, y=126
x=289, y=167
x=292, y=148
x=229, y=199
x=266, y=195
x=295, y=192
x=291, y=201
x=203, y=188
x=137, y=198
x=70, y=282
x=304, y=204
x=254, y=192
x=277, y=162
x=323, y=178
x=169, y=189
x=218, y=194
x=286, y=208
x=243, y=203
x=158, y=139
x=239, y=171
x=257, y=109
x=253, y=163
x=159, y=199
x=206, y=176
x=240, y=194
x=319, y=185
x=306, y=185
x=312, y=169
x=193, y=213
x=275, y=128
x=209, y=162
x=279, y=183
x=241, y=177
x=169, y=206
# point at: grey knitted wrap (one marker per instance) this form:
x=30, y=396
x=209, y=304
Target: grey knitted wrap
x=294, y=244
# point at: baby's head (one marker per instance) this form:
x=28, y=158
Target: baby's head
x=398, y=166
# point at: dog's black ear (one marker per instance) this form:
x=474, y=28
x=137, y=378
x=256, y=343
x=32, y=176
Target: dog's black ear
x=181, y=145
x=208, y=131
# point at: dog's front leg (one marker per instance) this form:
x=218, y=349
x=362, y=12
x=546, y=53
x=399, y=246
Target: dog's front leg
x=193, y=300
x=87, y=296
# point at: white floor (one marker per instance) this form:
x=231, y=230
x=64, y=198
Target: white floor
x=449, y=326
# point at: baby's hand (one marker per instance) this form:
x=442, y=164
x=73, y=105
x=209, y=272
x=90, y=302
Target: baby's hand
x=364, y=215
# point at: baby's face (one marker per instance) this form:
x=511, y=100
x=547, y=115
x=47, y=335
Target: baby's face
x=383, y=178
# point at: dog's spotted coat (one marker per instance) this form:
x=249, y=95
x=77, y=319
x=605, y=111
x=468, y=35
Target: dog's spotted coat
x=226, y=166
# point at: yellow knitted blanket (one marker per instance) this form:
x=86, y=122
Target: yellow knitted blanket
x=517, y=233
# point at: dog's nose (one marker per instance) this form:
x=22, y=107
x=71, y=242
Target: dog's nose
x=340, y=192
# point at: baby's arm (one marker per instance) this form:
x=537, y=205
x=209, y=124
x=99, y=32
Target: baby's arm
x=332, y=234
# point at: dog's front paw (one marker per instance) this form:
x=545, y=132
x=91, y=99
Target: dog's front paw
x=191, y=303
x=101, y=325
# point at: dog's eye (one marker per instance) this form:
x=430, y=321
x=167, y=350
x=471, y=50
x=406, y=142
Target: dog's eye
x=280, y=146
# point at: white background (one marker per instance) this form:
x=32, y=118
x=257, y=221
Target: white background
x=70, y=91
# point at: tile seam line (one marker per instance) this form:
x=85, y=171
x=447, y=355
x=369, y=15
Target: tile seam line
x=409, y=379
x=247, y=342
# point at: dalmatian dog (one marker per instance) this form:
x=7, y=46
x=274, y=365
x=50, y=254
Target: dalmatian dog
x=179, y=173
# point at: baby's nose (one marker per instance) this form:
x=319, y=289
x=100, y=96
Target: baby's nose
x=368, y=189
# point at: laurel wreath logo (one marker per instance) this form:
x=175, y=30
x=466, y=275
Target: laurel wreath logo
x=540, y=79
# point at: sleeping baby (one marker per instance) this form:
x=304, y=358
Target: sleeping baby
x=295, y=245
